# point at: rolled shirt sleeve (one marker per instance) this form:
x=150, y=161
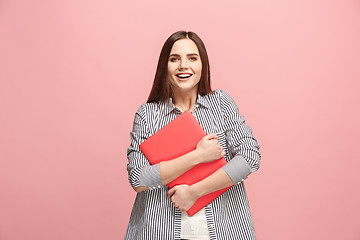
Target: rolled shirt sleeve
x=140, y=172
x=237, y=169
x=243, y=147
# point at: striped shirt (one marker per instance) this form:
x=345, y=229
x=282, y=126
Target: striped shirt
x=228, y=216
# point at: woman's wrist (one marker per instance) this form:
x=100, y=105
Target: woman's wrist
x=196, y=190
x=216, y=181
x=198, y=156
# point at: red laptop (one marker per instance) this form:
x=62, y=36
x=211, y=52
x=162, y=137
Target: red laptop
x=177, y=138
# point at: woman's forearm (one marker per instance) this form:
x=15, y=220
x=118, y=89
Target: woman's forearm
x=216, y=181
x=184, y=196
x=170, y=170
x=208, y=149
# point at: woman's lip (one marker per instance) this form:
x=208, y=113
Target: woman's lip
x=183, y=79
x=184, y=73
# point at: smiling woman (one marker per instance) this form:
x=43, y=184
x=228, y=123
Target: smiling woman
x=182, y=82
x=184, y=70
x=161, y=91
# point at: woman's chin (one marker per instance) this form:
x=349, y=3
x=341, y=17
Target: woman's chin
x=186, y=89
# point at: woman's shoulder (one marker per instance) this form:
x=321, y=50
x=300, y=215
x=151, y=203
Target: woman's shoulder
x=150, y=110
x=147, y=107
x=224, y=99
x=221, y=94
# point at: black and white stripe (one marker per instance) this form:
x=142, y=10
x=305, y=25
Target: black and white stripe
x=228, y=217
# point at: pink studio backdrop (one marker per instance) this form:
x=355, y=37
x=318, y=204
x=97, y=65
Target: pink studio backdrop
x=73, y=73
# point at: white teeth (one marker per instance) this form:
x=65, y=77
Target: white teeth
x=184, y=75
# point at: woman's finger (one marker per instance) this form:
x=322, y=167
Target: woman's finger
x=213, y=136
x=171, y=191
x=210, y=136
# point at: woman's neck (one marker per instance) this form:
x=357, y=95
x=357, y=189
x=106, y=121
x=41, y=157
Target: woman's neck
x=185, y=102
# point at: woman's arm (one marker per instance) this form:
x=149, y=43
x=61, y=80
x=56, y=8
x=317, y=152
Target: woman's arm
x=184, y=196
x=208, y=149
x=243, y=147
x=143, y=176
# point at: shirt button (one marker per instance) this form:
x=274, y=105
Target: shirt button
x=238, y=182
x=159, y=186
x=154, y=187
x=242, y=179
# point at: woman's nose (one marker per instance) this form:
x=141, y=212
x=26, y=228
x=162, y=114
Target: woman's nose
x=183, y=64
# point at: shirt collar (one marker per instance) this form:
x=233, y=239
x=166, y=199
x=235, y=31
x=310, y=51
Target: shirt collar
x=169, y=106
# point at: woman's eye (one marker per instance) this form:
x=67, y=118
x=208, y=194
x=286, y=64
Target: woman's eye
x=193, y=58
x=173, y=59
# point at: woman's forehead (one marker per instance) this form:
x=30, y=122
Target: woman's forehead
x=185, y=45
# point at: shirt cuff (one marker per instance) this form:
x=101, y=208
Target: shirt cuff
x=237, y=169
x=150, y=177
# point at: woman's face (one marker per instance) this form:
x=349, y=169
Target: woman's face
x=184, y=67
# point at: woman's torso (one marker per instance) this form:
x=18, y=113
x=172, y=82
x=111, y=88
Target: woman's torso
x=154, y=216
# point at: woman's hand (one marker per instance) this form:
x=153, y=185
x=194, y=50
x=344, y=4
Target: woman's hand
x=183, y=197
x=209, y=148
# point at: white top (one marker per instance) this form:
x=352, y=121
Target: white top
x=194, y=227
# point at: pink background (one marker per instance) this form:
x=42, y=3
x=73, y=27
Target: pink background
x=73, y=73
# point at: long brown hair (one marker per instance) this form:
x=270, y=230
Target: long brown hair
x=161, y=90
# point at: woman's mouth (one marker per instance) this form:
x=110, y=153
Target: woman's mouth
x=183, y=76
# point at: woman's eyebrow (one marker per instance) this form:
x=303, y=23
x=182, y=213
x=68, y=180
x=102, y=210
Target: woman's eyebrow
x=190, y=54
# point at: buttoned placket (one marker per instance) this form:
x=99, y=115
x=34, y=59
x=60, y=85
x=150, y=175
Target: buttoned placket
x=208, y=209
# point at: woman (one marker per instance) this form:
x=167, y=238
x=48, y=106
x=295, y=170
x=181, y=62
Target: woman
x=182, y=82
